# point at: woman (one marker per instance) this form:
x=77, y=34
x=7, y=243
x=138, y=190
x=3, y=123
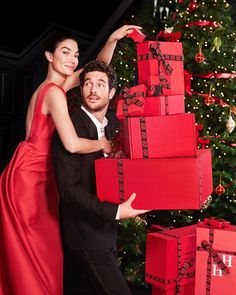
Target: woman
x=30, y=243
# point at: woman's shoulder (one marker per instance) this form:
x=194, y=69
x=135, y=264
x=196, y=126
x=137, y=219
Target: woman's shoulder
x=51, y=88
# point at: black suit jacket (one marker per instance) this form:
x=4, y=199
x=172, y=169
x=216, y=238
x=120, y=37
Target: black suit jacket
x=87, y=223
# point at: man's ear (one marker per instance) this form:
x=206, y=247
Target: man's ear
x=49, y=56
x=112, y=93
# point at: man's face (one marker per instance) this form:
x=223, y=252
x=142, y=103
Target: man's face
x=95, y=91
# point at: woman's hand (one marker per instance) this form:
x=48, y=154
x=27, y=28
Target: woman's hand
x=123, y=32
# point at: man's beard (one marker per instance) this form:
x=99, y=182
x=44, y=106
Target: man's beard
x=94, y=108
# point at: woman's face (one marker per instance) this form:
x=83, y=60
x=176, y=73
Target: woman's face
x=65, y=58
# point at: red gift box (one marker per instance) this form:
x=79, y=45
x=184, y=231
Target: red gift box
x=163, y=105
x=156, y=87
x=187, y=289
x=131, y=102
x=170, y=257
x=158, y=228
x=162, y=59
x=160, y=137
x=167, y=183
x=137, y=35
x=215, y=260
x=216, y=222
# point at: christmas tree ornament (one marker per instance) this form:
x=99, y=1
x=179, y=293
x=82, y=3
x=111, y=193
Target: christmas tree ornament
x=233, y=109
x=193, y=6
x=209, y=100
x=200, y=57
x=217, y=44
x=220, y=190
x=230, y=125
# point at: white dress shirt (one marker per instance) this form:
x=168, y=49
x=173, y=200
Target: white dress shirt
x=101, y=133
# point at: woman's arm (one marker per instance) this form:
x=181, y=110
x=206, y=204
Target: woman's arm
x=107, y=51
x=56, y=105
x=104, y=55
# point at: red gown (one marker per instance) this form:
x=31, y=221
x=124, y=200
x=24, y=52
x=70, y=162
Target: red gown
x=30, y=241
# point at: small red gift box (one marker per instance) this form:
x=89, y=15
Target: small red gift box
x=137, y=35
x=162, y=59
x=170, y=257
x=187, y=289
x=167, y=183
x=131, y=102
x=163, y=105
x=157, y=86
x=160, y=137
x=216, y=222
x=215, y=260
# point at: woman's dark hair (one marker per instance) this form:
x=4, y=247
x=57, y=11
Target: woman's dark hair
x=100, y=66
x=55, y=38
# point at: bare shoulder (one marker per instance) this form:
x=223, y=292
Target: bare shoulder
x=55, y=91
x=54, y=97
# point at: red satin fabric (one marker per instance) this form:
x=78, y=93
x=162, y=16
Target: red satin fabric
x=30, y=243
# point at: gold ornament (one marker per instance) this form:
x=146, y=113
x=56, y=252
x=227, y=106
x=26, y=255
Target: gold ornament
x=230, y=125
x=233, y=109
x=169, y=30
x=217, y=42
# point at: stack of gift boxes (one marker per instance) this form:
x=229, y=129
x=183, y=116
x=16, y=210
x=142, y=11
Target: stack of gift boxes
x=197, y=259
x=162, y=165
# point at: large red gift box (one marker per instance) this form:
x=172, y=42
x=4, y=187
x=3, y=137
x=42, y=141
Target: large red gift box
x=160, y=136
x=131, y=102
x=187, y=289
x=162, y=59
x=167, y=183
x=170, y=257
x=215, y=260
x=163, y=105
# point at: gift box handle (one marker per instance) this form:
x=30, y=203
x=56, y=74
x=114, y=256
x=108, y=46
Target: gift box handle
x=216, y=222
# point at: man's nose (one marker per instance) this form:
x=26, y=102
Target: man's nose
x=93, y=88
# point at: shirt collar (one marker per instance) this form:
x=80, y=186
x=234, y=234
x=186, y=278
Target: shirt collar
x=98, y=124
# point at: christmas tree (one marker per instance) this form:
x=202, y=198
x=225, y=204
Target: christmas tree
x=207, y=32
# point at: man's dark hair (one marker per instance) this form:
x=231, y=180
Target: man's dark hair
x=100, y=66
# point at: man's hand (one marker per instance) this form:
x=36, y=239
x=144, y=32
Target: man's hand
x=106, y=145
x=127, y=211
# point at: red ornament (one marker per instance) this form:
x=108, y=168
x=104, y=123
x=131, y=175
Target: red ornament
x=219, y=190
x=209, y=100
x=200, y=57
x=193, y=6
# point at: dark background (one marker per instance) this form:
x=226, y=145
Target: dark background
x=21, y=23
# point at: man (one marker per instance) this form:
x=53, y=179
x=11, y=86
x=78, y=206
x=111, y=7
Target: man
x=89, y=226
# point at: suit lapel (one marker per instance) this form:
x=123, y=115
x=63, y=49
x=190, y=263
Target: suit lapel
x=108, y=132
x=88, y=124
